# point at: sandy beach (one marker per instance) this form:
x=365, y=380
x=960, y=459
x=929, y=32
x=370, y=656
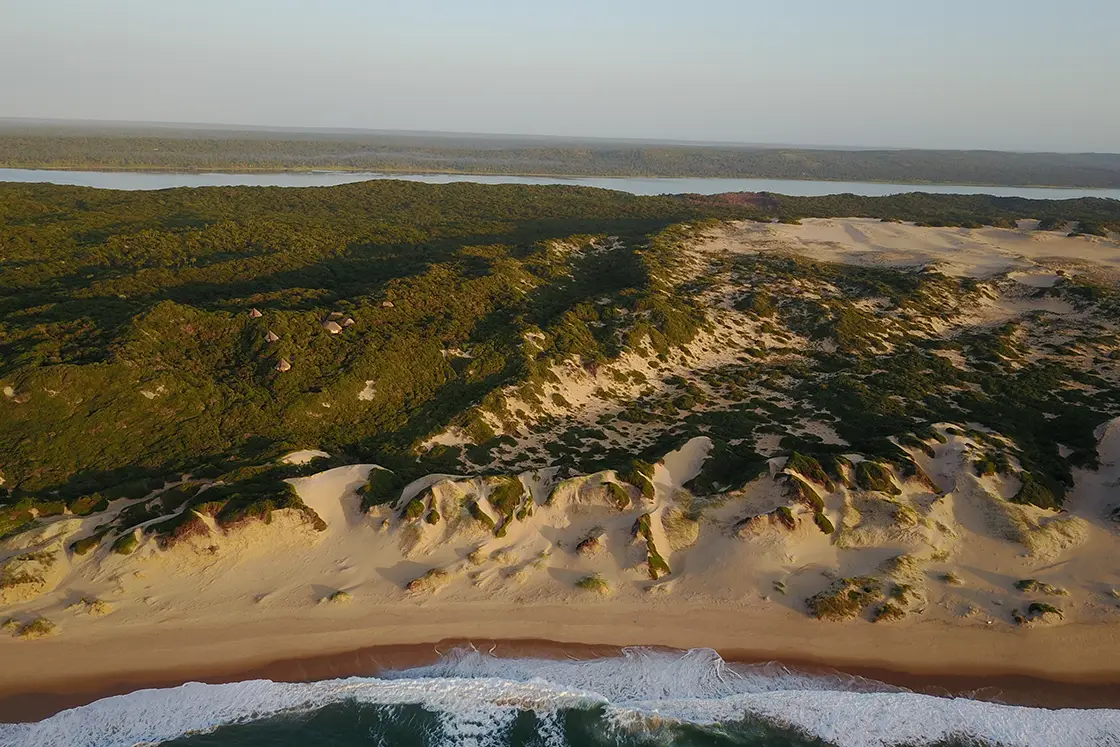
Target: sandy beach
x=1070, y=666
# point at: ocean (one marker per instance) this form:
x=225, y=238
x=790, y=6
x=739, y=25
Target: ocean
x=642, y=697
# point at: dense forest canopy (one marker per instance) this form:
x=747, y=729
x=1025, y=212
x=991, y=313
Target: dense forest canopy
x=128, y=350
x=88, y=147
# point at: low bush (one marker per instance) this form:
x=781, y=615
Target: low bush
x=1034, y=492
x=874, y=476
x=845, y=598
x=595, y=583
x=126, y=544
x=823, y=523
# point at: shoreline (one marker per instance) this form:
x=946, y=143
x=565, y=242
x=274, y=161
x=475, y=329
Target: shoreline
x=384, y=173
x=1007, y=689
x=1064, y=667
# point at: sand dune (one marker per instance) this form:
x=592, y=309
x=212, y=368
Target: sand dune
x=507, y=554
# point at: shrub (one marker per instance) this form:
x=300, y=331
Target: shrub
x=1034, y=492
x=506, y=496
x=382, y=487
x=432, y=517
x=1038, y=609
x=758, y=302
x=992, y=463
x=811, y=469
x=845, y=598
x=823, y=523
x=888, y=612
x=874, y=476
x=177, y=529
x=126, y=544
x=480, y=516
x=640, y=475
x=430, y=581
x=38, y=628
x=414, y=509
x=1032, y=585
x=785, y=515
x=590, y=546
x=595, y=583
x=84, y=545
x=804, y=492
x=619, y=495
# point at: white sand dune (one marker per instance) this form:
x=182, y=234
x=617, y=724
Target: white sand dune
x=741, y=563
x=976, y=252
x=303, y=457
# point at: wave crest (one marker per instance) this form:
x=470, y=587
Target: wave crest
x=478, y=696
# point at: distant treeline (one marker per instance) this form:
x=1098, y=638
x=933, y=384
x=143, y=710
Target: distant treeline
x=223, y=150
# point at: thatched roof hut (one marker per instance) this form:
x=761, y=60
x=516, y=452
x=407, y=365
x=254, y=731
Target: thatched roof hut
x=332, y=327
x=271, y=336
x=283, y=365
x=255, y=314
x=386, y=304
x=348, y=322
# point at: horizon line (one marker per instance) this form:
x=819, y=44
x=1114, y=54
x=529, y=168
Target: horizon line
x=230, y=127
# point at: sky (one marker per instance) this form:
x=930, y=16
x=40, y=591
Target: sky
x=994, y=74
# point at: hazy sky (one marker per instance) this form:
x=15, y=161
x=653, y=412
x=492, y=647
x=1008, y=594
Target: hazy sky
x=1008, y=74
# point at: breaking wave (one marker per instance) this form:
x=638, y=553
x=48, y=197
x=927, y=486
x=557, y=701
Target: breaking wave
x=470, y=698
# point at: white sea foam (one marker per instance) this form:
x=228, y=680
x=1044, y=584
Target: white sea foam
x=477, y=698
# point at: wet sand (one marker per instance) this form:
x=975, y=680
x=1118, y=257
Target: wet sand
x=1000, y=688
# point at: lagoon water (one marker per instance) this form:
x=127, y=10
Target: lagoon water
x=643, y=697
x=143, y=180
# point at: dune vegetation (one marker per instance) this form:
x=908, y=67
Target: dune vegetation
x=636, y=380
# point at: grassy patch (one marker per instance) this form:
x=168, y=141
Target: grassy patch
x=594, y=583
x=845, y=598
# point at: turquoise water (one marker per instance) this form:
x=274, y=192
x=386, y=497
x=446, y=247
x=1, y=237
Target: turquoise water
x=135, y=180
x=643, y=697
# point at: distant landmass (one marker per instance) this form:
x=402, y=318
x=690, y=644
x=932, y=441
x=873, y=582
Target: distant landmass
x=172, y=147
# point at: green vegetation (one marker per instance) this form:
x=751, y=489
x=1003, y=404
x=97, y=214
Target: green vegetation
x=1034, y=492
x=140, y=147
x=37, y=628
x=595, y=583
x=873, y=476
x=431, y=581
x=506, y=496
x=1032, y=585
x=1042, y=608
x=823, y=522
x=84, y=545
x=480, y=516
x=382, y=487
x=804, y=493
x=127, y=337
x=845, y=598
x=992, y=463
x=126, y=544
x=888, y=612
x=414, y=509
x=811, y=469
x=640, y=475
x=619, y=495
x=655, y=564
